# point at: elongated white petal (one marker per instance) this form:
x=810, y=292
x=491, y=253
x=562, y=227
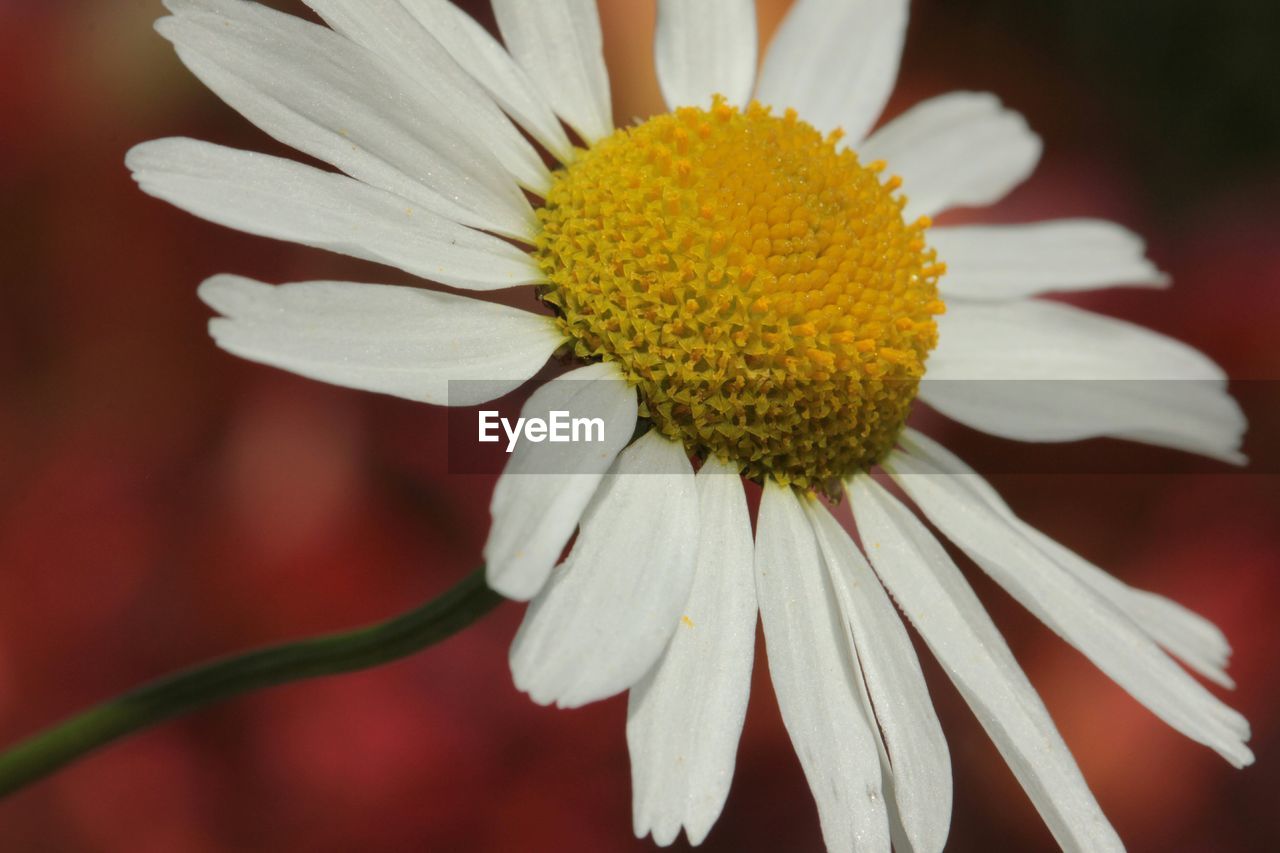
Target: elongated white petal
x=273, y=197
x=987, y=533
x=993, y=262
x=608, y=612
x=559, y=45
x=920, y=764
x=1051, y=372
x=403, y=341
x=814, y=678
x=486, y=60
x=934, y=595
x=835, y=62
x=544, y=489
x=957, y=150
x=685, y=717
x=387, y=29
x=704, y=48
x=328, y=97
x=1188, y=636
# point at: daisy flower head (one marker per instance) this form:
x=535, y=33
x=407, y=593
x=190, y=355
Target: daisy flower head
x=750, y=285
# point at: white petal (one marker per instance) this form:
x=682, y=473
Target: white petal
x=957, y=150
x=989, y=534
x=609, y=610
x=545, y=487
x=685, y=717
x=703, y=48
x=920, y=764
x=559, y=45
x=1191, y=638
x=274, y=197
x=835, y=62
x=935, y=597
x=1052, y=372
x=387, y=29
x=395, y=340
x=486, y=60
x=1188, y=636
x=988, y=262
x=814, y=678
x=322, y=94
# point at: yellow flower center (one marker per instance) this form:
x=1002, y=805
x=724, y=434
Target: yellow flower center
x=757, y=284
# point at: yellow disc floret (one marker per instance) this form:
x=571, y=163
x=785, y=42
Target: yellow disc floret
x=755, y=282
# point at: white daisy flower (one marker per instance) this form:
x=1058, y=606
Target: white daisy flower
x=761, y=288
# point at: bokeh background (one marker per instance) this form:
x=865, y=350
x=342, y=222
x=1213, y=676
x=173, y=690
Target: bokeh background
x=162, y=503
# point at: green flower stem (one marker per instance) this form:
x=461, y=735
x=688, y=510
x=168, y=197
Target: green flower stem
x=186, y=691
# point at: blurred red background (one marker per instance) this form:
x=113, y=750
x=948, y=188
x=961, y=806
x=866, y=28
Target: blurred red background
x=162, y=502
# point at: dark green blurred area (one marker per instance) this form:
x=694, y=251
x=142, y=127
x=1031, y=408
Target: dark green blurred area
x=1192, y=87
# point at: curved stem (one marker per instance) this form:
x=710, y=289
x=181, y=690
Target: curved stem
x=186, y=691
